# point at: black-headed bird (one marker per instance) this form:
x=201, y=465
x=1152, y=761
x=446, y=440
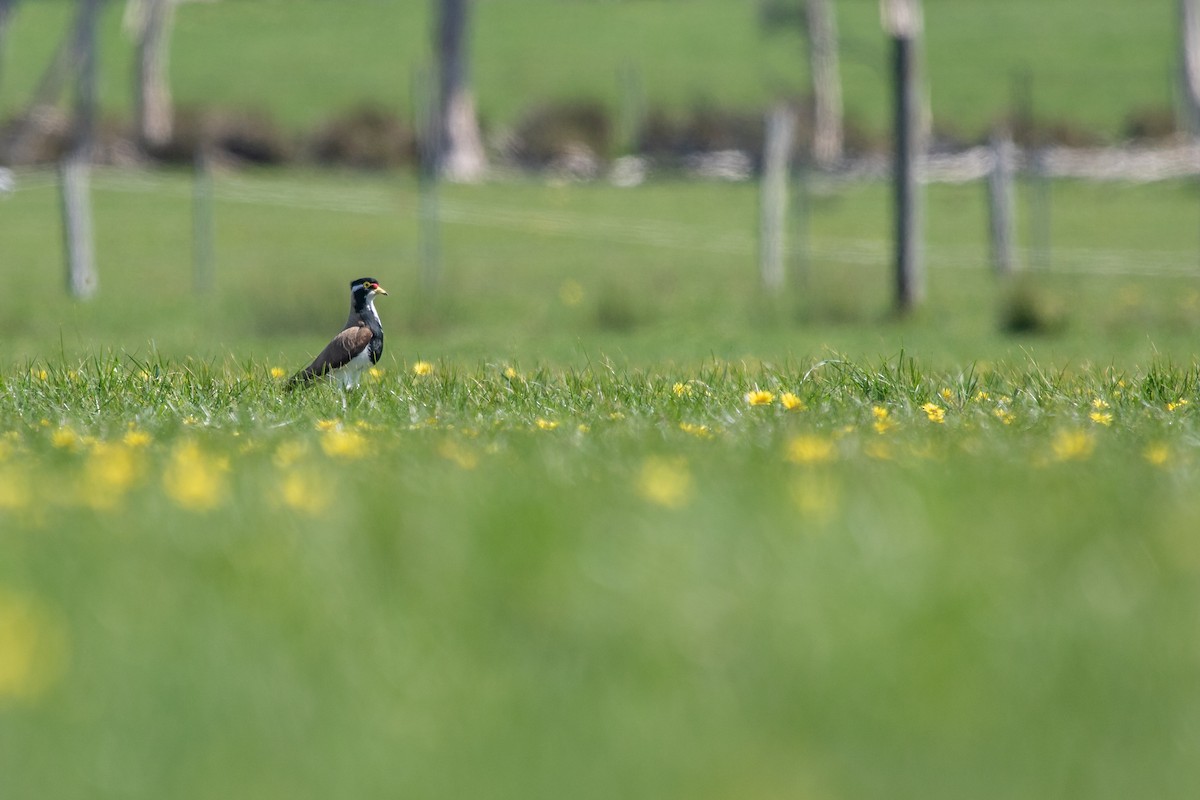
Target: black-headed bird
x=356, y=348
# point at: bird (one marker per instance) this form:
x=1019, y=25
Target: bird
x=356, y=348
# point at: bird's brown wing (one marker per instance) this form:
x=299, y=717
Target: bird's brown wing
x=345, y=346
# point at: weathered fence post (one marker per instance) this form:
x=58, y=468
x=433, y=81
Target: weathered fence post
x=820, y=25
x=902, y=22
x=152, y=99
x=203, y=267
x=82, y=279
x=428, y=174
x=1002, y=202
x=78, y=237
x=1189, y=64
x=632, y=107
x=780, y=133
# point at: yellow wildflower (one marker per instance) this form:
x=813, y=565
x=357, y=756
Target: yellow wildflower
x=935, y=412
x=546, y=424
x=809, y=449
x=879, y=449
x=289, y=452
x=328, y=424
x=1157, y=454
x=883, y=419
x=15, y=488
x=760, y=397
x=338, y=443
x=33, y=647
x=583, y=427
x=422, y=369
x=947, y=394
x=458, y=454
x=110, y=471
x=303, y=490
x=65, y=438
x=1004, y=415
x=374, y=373
x=791, y=402
x=136, y=439
x=510, y=373
x=40, y=374
x=665, y=482
x=682, y=389
x=1100, y=404
x=278, y=373
x=1178, y=404
x=699, y=431
x=981, y=396
x=1072, y=445
x=1101, y=418
x=195, y=479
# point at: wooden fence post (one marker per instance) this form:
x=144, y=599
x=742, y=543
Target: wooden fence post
x=1001, y=202
x=428, y=175
x=203, y=266
x=78, y=238
x=902, y=22
x=1189, y=64
x=82, y=279
x=780, y=134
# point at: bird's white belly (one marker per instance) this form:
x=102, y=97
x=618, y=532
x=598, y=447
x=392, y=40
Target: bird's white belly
x=348, y=375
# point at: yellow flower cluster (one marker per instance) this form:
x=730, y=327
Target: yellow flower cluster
x=33, y=647
x=665, y=481
x=194, y=479
x=762, y=397
x=810, y=449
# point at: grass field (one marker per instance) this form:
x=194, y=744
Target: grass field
x=606, y=522
x=556, y=275
x=824, y=579
x=300, y=61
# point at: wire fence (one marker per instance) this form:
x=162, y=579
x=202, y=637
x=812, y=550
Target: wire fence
x=1124, y=164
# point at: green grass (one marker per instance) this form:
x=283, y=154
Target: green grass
x=570, y=557
x=598, y=581
x=301, y=61
x=560, y=274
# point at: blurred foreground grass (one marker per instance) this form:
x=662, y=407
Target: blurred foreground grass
x=843, y=578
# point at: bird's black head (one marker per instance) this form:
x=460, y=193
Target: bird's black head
x=363, y=291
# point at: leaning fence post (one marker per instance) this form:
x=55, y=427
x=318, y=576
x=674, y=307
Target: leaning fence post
x=429, y=156
x=202, y=224
x=1001, y=202
x=78, y=237
x=82, y=278
x=902, y=22
x=780, y=133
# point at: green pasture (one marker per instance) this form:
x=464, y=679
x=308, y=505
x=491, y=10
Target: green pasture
x=845, y=578
x=566, y=274
x=299, y=61
x=606, y=521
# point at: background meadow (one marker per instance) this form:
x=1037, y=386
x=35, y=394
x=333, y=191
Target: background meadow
x=606, y=520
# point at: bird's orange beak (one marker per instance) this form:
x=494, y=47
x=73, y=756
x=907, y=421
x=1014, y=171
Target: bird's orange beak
x=380, y=290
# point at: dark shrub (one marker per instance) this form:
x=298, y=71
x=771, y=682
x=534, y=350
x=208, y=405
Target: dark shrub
x=366, y=138
x=704, y=130
x=1150, y=124
x=554, y=132
x=240, y=136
